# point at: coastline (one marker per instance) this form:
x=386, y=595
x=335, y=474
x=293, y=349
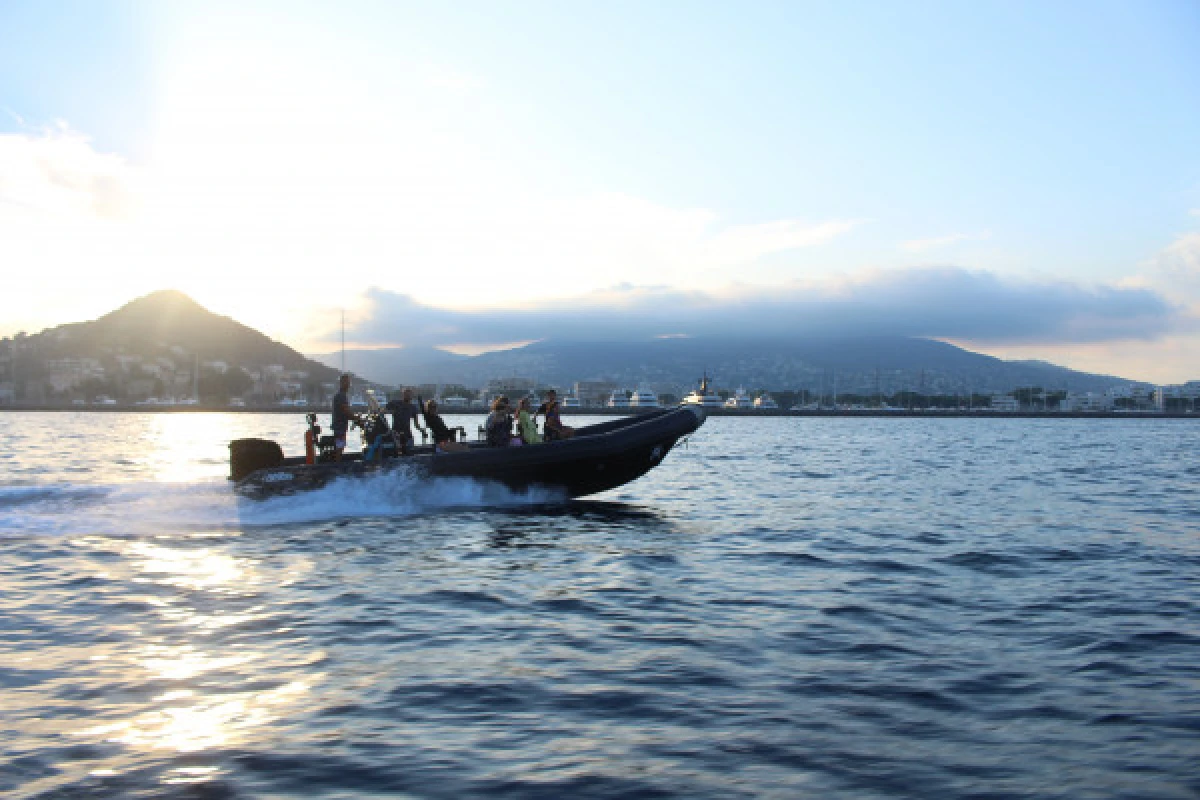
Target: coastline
x=614, y=412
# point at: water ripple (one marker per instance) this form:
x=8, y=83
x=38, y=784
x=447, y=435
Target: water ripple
x=886, y=608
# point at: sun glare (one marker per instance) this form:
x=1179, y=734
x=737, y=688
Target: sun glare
x=176, y=443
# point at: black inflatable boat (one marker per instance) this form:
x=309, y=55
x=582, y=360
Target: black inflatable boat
x=596, y=458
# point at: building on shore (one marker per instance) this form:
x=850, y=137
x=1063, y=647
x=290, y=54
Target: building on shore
x=1087, y=401
x=1178, y=397
x=513, y=388
x=594, y=394
x=1004, y=402
x=1132, y=397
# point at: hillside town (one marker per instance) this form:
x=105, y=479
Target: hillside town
x=178, y=378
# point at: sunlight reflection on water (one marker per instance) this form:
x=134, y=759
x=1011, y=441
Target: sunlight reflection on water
x=873, y=608
x=198, y=710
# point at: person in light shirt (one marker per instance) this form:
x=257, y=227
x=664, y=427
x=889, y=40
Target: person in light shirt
x=526, y=425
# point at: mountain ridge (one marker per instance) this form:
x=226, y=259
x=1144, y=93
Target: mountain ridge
x=170, y=325
x=161, y=343
x=865, y=362
x=171, y=317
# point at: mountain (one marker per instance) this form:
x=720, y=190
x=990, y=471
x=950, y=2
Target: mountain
x=151, y=347
x=169, y=319
x=864, y=363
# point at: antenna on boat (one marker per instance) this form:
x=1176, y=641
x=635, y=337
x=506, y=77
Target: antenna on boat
x=343, y=341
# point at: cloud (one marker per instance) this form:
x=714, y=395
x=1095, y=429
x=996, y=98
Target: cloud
x=66, y=212
x=934, y=242
x=1176, y=270
x=220, y=210
x=279, y=204
x=1181, y=259
x=56, y=171
x=944, y=303
x=749, y=242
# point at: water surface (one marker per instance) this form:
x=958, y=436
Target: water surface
x=787, y=607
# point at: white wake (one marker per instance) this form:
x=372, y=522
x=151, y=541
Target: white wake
x=153, y=508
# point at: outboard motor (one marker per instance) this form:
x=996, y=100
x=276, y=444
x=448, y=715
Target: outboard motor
x=248, y=455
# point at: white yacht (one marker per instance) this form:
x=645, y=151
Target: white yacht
x=571, y=403
x=764, y=402
x=643, y=398
x=704, y=396
x=618, y=399
x=740, y=400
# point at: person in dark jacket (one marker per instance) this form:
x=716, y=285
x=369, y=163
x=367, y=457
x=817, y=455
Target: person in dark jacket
x=444, y=439
x=553, y=427
x=404, y=415
x=499, y=424
x=342, y=416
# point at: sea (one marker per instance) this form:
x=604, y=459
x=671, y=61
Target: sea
x=786, y=607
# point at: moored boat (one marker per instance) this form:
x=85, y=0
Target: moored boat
x=740, y=400
x=618, y=399
x=764, y=402
x=643, y=398
x=704, y=397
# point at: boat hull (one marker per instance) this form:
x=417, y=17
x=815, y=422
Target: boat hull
x=598, y=458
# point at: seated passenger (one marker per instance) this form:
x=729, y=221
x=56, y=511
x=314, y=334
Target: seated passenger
x=380, y=439
x=499, y=424
x=526, y=425
x=443, y=437
x=553, y=426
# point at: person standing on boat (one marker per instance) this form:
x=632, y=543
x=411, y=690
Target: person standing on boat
x=404, y=416
x=553, y=426
x=342, y=416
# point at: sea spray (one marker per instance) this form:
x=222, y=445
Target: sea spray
x=150, y=508
x=387, y=494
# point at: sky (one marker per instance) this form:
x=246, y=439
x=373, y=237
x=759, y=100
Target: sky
x=1018, y=178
